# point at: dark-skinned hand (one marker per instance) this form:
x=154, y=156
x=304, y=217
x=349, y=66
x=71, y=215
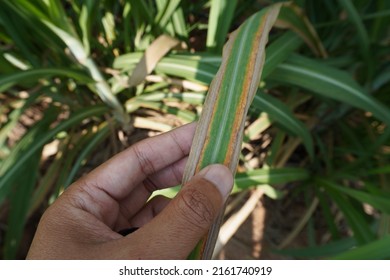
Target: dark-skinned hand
x=83, y=223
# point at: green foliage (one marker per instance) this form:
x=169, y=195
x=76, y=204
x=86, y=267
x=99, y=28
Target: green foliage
x=327, y=117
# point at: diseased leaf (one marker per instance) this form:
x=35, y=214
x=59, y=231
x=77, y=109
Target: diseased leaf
x=220, y=129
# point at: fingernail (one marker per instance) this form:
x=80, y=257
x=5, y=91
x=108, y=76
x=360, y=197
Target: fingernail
x=220, y=176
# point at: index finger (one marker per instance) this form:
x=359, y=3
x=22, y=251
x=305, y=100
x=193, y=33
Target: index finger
x=122, y=173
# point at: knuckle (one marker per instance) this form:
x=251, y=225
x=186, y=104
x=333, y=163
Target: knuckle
x=142, y=151
x=196, y=208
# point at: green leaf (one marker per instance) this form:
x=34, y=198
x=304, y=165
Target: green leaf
x=195, y=98
x=328, y=82
x=354, y=217
x=12, y=164
x=220, y=19
x=20, y=199
x=179, y=23
x=280, y=113
x=33, y=75
x=321, y=251
x=279, y=50
x=22, y=185
x=185, y=115
x=93, y=140
x=380, y=202
x=170, y=18
x=202, y=67
x=165, y=11
x=100, y=85
x=188, y=69
x=219, y=132
x=328, y=214
x=270, y=176
x=293, y=17
x=362, y=34
x=375, y=250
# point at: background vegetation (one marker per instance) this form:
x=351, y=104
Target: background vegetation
x=316, y=139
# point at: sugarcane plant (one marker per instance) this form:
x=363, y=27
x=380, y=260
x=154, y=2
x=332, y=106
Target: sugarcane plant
x=301, y=109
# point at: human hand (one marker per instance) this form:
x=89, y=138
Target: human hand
x=83, y=223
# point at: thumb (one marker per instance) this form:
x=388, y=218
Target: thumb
x=174, y=233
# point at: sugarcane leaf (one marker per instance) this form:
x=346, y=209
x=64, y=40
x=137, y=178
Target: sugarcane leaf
x=179, y=23
x=328, y=215
x=322, y=251
x=293, y=17
x=185, y=115
x=279, y=50
x=20, y=200
x=220, y=128
x=32, y=75
x=271, y=176
x=280, y=113
x=95, y=139
x=220, y=18
x=353, y=216
x=100, y=86
x=165, y=11
x=12, y=164
x=362, y=34
x=375, y=250
x=202, y=67
x=328, y=82
x=378, y=201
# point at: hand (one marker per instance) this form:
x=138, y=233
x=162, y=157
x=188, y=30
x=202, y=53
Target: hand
x=83, y=223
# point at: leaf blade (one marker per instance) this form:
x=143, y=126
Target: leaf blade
x=219, y=133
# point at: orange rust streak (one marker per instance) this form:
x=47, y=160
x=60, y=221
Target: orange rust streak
x=245, y=90
x=217, y=78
